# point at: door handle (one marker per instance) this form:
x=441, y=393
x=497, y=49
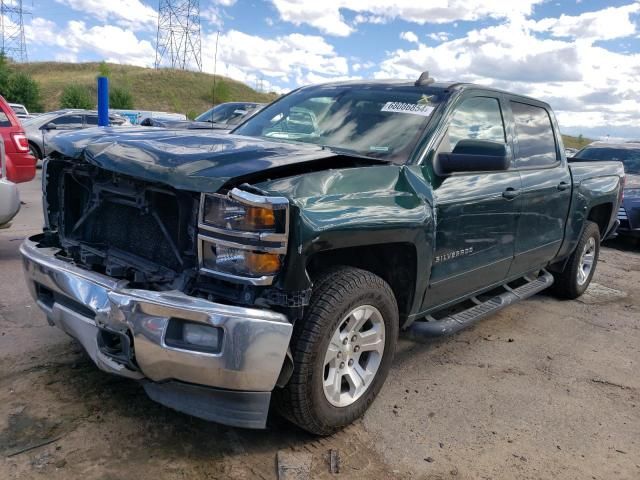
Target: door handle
x=563, y=186
x=510, y=193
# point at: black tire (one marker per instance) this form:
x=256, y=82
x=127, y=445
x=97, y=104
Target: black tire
x=336, y=293
x=35, y=151
x=567, y=283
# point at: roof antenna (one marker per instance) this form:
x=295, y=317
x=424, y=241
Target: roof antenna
x=424, y=79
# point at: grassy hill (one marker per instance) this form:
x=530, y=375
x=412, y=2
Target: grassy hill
x=575, y=142
x=165, y=89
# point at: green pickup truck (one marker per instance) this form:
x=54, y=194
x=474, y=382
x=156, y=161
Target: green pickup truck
x=281, y=262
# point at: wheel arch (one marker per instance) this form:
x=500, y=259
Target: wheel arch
x=601, y=216
x=396, y=263
x=37, y=149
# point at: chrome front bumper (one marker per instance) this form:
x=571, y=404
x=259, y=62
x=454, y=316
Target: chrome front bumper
x=81, y=302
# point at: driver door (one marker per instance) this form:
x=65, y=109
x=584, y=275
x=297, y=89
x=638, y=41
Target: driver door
x=476, y=213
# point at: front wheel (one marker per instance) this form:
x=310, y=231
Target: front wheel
x=342, y=351
x=577, y=275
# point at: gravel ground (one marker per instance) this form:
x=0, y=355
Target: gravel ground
x=544, y=389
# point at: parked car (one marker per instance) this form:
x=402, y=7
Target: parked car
x=9, y=198
x=629, y=154
x=41, y=129
x=227, y=270
x=20, y=110
x=223, y=112
x=20, y=164
x=570, y=152
x=136, y=117
x=226, y=118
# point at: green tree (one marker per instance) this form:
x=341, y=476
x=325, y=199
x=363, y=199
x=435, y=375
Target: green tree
x=25, y=90
x=5, y=74
x=104, y=70
x=120, y=98
x=77, y=96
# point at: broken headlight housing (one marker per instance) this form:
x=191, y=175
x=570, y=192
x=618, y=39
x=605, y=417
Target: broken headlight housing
x=242, y=236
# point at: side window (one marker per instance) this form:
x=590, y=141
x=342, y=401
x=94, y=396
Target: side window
x=92, y=120
x=4, y=120
x=477, y=118
x=536, y=140
x=68, y=121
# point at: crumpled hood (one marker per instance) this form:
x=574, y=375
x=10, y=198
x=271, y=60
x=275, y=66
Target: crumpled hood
x=196, y=160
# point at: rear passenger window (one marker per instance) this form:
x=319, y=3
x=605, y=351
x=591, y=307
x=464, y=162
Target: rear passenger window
x=4, y=120
x=536, y=140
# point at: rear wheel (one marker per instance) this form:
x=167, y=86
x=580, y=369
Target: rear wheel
x=342, y=351
x=33, y=150
x=574, y=280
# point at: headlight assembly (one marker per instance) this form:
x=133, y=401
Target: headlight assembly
x=243, y=236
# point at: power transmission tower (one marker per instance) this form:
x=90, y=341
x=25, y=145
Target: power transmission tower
x=178, y=43
x=14, y=44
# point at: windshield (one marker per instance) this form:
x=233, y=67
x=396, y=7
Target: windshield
x=19, y=109
x=222, y=113
x=374, y=121
x=629, y=156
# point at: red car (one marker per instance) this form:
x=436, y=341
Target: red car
x=21, y=165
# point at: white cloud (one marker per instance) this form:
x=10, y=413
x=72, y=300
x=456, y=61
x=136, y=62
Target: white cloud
x=134, y=14
x=606, y=24
x=358, y=66
x=591, y=88
x=439, y=36
x=326, y=15
x=293, y=58
x=212, y=15
x=409, y=37
x=113, y=43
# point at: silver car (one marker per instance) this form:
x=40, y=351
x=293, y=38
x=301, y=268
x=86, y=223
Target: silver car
x=41, y=129
x=20, y=111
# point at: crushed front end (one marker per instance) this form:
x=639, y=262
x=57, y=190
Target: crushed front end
x=166, y=286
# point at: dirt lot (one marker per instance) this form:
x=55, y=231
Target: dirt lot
x=545, y=389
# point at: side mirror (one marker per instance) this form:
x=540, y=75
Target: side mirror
x=474, y=156
x=50, y=126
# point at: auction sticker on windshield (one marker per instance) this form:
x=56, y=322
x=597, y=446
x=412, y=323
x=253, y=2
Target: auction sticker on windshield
x=413, y=108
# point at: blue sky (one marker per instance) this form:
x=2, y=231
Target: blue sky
x=582, y=56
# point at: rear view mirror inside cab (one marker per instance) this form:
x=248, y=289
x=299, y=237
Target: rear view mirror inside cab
x=473, y=156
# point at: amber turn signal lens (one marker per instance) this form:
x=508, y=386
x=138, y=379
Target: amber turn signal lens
x=260, y=218
x=262, y=263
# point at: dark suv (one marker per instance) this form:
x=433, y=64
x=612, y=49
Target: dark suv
x=629, y=154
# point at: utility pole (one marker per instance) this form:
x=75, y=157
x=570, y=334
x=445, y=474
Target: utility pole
x=14, y=44
x=215, y=65
x=178, y=42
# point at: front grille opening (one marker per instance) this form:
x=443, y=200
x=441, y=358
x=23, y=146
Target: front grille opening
x=127, y=228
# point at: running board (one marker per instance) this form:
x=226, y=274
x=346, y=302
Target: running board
x=420, y=330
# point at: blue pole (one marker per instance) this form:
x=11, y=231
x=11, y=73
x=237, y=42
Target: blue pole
x=103, y=101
